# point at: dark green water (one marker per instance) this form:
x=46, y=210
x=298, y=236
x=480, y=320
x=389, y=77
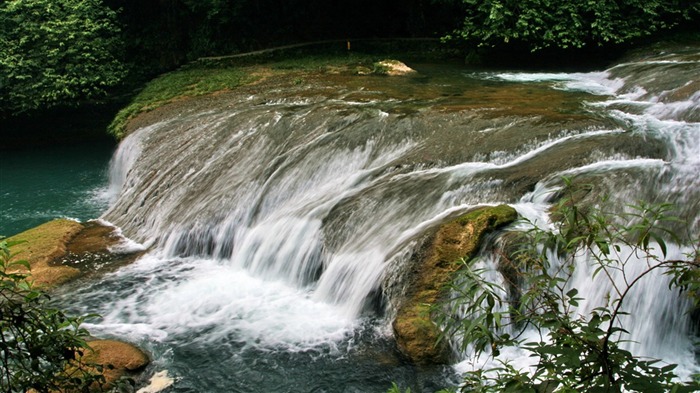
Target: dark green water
x=41, y=184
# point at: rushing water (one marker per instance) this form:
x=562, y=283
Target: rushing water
x=280, y=218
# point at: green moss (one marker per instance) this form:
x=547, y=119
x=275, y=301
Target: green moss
x=210, y=76
x=455, y=240
x=183, y=83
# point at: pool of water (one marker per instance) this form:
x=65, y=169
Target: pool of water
x=41, y=184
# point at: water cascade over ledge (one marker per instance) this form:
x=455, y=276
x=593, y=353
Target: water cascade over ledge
x=280, y=218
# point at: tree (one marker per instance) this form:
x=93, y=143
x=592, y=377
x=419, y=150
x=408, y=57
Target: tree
x=41, y=348
x=539, y=24
x=578, y=350
x=56, y=52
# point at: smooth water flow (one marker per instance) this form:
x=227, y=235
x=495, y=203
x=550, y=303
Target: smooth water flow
x=280, y=219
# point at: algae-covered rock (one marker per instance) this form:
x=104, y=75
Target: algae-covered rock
x=41, y=245
x=61, y=250
x=416, y=334
x=118, y=358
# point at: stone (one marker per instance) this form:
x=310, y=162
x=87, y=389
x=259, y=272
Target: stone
x=416, y=334
x=123, y=358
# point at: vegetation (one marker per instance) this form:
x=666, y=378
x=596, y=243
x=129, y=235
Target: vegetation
x=577, y=350
x=41, y=348
x=565, y=24
x=56, y=53
x=188, y=82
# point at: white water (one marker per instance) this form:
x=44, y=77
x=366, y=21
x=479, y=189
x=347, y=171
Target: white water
x=658, y=318
x=285, y=223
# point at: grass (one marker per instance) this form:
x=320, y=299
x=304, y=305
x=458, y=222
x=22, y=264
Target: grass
x=186, y=82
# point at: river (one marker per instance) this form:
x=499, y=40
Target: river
x=279, y=216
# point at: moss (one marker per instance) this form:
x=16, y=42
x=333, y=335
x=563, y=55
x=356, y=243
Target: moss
x=186, y=82
x=216, y=75
x=459, y=238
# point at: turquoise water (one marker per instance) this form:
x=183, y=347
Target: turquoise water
x=41, y=184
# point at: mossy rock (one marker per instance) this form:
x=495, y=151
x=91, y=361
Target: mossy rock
x=119, y=359
x=416, y=334
x=61, y=250
x=41, y=245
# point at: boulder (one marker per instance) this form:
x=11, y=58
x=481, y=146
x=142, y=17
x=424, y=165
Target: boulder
x=41, y=245
x=61, y=250
x=416, y=334
x=118, y=358
x=394, y=68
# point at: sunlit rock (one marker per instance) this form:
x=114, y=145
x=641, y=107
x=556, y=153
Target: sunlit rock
x=118, y=358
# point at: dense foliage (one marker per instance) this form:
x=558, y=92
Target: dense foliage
x=564, y=24
x=56, y=52
x=164, y=33
x=40, y=347
x=576, y=350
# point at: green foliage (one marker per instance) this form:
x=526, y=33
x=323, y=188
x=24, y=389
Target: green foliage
x=40, y=347
x=56, y=52
x=566, y=24
x=396, y=389
x=575, y=353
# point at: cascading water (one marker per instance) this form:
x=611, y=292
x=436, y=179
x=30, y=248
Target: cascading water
x=279, y=217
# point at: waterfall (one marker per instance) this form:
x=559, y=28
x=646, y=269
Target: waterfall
x=280, y=218
x=658, y=320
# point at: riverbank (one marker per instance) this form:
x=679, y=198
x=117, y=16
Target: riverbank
x=61, y=251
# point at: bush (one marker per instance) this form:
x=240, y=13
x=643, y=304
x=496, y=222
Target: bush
x=40, y=346
x=56, y=53
x=564, y=24
x=577, y=350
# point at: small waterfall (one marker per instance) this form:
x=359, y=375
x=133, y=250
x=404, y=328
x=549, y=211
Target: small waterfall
x=281, y=218
x=657, y=108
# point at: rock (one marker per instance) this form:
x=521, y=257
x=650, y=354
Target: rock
x=61, y=250
x=416, y=334
x=159, y=382
x=123, y=358
x=394, y=68
x=41, y=246
x=48, y=248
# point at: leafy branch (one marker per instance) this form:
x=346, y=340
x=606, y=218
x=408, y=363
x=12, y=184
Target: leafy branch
x=576, y=350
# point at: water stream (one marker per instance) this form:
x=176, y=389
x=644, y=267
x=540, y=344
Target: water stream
x=279, y=218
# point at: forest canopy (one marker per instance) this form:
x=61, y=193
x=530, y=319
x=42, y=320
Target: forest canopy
x=565, y=24
x=54, y=52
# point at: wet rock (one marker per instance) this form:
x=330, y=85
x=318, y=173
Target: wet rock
x=416, y=334
x=61, y=250
x=41, y=245
x=394, y=68
x=118, y=358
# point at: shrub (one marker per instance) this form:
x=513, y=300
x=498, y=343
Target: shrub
x=576, y=350
x=40, y=346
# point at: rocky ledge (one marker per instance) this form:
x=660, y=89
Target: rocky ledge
x=62, y=250
x=437, y=262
